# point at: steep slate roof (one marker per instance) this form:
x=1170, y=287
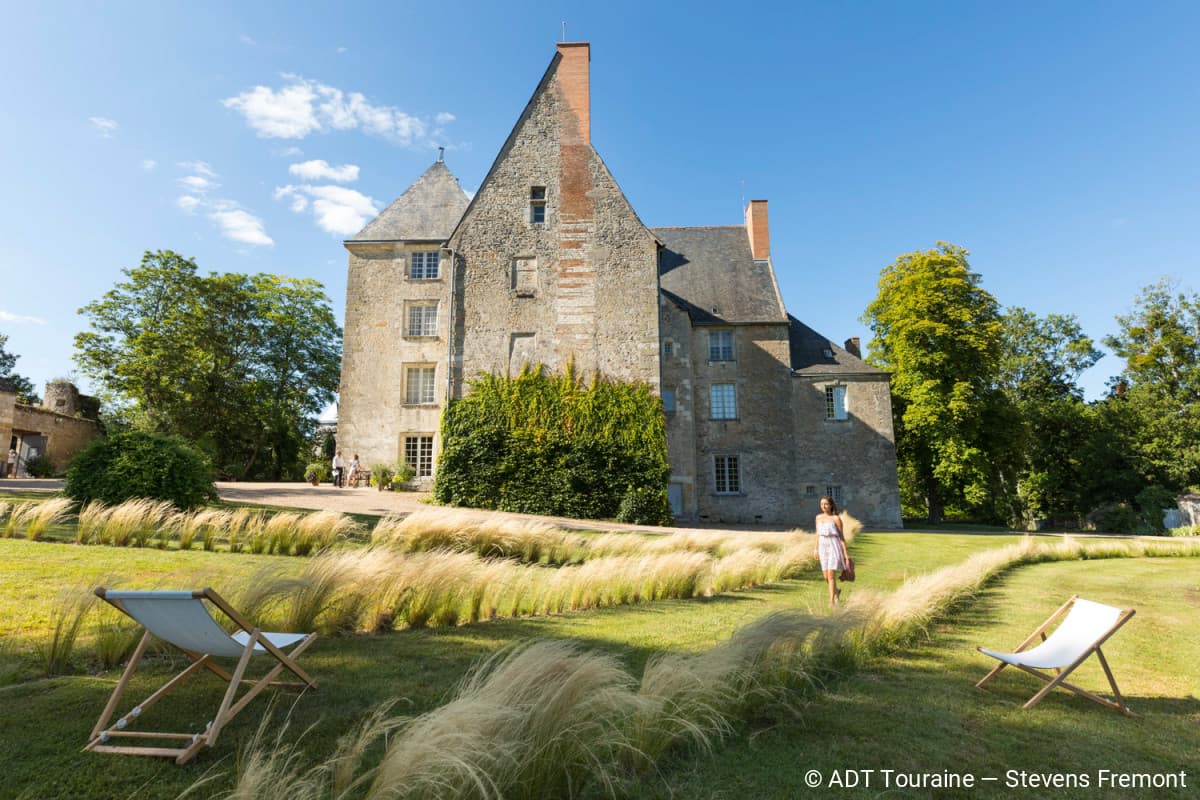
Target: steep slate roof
x=808, y=353
x=427, y=211
x=711, y=274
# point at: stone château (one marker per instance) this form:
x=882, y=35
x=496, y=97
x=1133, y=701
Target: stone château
x=549, y=263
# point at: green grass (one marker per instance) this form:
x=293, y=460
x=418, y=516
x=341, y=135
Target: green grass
x=921, y=712
x=916, y=711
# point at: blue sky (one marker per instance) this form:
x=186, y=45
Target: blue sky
x=1057, y=142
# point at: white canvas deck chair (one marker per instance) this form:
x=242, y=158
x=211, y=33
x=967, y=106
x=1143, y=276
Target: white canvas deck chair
x=183, y=620
x=1087, y=626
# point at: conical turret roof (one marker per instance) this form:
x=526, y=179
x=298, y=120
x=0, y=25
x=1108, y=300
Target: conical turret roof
x=428, y=211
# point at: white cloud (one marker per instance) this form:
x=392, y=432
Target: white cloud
x=149, y=164
x=8, y=316
x=342, y=49
x=187, y=202
x=199, y=167
x=106, y=127
x=194, y=183
x=303, y=107
x=335, y=208
x=320, y=170
x=239, y=225
x=246, y=40
x=288, y=152
x=444, y=118
x=286, y=114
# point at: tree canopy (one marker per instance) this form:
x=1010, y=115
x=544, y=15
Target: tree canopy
x=239, y=365
x=1160, y=343
x=22, y=385
x=940, y=334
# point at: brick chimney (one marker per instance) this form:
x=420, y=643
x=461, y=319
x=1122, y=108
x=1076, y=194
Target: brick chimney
x=575, y=80
x=853, y=348
x=758, y=229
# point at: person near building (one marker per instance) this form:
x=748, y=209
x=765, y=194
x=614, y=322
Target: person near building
x=339, y=469
x=11, y=469
x=831, y=546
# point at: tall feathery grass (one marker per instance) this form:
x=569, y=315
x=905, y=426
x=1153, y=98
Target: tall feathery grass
x=537, y=542
x=56, y=648
x=41, y=516
x=548, y=719
x=381, y=588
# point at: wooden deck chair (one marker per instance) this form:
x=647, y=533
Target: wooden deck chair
x=183, y=620
x=1087, y=626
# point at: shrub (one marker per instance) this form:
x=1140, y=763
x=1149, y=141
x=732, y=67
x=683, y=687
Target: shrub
x=547, y=444
x=39, y=467
x=1151, y=502
x=643, y=505
x=138, y=464
x=318, y=470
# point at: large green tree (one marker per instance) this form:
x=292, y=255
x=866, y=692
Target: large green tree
x=1040, y=364
x=1160, y=343
x=237, y=364
x=22, y=385
x=940, y=333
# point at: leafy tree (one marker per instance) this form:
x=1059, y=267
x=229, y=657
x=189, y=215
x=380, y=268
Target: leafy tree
x=237, y=364
x=1160, y=384
x=1040, y=363
x=940, y=334
x=22, y=385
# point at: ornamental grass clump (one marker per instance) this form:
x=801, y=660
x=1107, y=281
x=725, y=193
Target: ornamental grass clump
x=536, y=720
x=114, y=637
x=42, y=516
x=15, y=522
x=320, y=531
x=134, y=522
x=56, y=648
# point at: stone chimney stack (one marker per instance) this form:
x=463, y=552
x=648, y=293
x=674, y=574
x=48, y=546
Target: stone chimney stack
x=758, y=229
x=853, y=348
x=575, y=80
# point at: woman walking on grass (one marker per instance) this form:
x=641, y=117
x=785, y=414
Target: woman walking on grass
x=831, y=547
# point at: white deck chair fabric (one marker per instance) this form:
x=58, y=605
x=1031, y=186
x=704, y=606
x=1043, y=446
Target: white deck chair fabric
x=1079, y=635
x=184, y=621
x=1085, y=624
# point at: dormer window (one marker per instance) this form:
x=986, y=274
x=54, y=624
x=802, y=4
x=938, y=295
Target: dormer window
x=537, y=204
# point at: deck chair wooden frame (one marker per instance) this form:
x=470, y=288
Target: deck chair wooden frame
x=1087, y=626
x=183, y=620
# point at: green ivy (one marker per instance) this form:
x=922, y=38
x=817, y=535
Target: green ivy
x=543, y=443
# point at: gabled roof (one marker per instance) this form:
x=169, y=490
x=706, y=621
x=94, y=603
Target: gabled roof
x=713, y=273
x=808, y=349
x=428, y=211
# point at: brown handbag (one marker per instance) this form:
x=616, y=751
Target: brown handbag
x=847, y=575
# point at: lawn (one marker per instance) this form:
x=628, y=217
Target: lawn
x=913, y=711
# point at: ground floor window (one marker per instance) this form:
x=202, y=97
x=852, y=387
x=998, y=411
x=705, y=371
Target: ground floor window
x=834, y=493
x=727, y=475
x=418, y=454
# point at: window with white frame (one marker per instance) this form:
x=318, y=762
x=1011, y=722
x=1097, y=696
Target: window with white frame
x=723, y=400
x=834, y=493
x=419, y=384
x=720, y=345
x=423, y=265
x=668, y=401
x=835, y=402
x=422, y=319
x=727, y=478
x=537, y=204
x=524, y=276
x=418, y=454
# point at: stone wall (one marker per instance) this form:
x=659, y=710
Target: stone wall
x=592, y=294
x=372, y=413
x=65, y=436
x=858, y=453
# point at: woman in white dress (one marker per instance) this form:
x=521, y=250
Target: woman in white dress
x=831, y=546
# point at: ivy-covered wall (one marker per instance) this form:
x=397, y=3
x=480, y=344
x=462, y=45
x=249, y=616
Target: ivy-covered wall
x=549, y=444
